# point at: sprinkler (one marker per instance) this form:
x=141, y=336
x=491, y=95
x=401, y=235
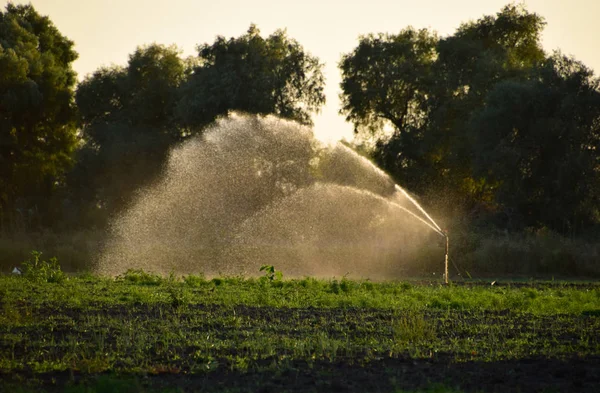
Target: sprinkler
x=445, y=233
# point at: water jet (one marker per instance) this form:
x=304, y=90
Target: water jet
x=253, y=191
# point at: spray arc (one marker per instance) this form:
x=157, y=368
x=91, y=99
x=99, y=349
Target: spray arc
x=435, y=227
x=252, y=191
x=426, y=219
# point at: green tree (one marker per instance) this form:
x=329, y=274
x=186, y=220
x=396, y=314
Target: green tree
x=385, y=87
x=470, y=63
x=254, y=75
x=425, y=89
x=37, y=115
x=385, y=80
x=128, y=122
x=538, y=142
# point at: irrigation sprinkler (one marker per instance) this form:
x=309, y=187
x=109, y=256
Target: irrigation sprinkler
x=446, y=257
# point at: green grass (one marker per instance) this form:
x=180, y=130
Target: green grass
x=245, y=334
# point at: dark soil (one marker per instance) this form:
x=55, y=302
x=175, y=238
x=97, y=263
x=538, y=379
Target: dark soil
x=578, y=374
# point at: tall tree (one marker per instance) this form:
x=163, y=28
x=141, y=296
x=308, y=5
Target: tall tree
x=254, y=75
x=385, y=86
x=425, y=89
x=132, y=115
x=385, y=80
x=128, y=122
x=538, y=142
x=37, y=115
x=470, y=63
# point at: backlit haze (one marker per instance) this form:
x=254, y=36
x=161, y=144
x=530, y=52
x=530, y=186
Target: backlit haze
x=105, y=32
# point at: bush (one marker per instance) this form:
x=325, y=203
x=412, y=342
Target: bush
x=38, y=270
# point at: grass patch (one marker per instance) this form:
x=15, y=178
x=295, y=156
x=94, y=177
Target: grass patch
x=241, y=333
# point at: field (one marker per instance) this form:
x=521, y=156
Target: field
x=146, y=333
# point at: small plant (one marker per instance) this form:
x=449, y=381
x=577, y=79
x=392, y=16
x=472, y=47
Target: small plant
x=177, y=296
x=138, y=276
x=412, y=327
x=334, y=287
x=270, y=273
x=195, y=280
x=38, y=270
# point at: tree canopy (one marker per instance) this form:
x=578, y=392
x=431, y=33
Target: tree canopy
x=482, y=118
x=385, y=79
x=132, y=115
x=37, y=115
x=481, y=122
x=252, y=74
x=537, y=142
x=127, y=118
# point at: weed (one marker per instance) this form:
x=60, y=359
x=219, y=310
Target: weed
x=412, y=327
x=334, y=287
x=140, y=277
x=195, y=281
x=270, y=273
x=177, y=296
x=38, y=270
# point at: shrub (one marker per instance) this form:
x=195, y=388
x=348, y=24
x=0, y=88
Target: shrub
x=38, y=270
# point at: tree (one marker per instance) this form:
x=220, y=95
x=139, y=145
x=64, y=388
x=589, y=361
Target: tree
x=385, y=85
x=384, y=80
x=144, y=93
x=128, y=122
x=133, y=115
x=254, y=75
x=37, y=115
x=425, y=89
x=470, y=63
x=538, y=142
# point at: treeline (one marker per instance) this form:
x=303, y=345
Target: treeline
x=72, y=156
x=482, y=122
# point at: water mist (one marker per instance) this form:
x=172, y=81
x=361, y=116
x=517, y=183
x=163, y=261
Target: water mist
x=253, y=191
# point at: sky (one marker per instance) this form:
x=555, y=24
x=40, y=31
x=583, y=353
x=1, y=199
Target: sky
x=105, y=32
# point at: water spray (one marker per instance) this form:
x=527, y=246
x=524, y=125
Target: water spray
x=414, y=202
x=426, y=219
x=435, y=227
x=222, y=199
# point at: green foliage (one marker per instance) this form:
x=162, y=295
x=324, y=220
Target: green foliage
x=37, y=115
x=537, y=141
x=128, y=122
x=254, y=75
x=482, y=121
x=143, y=93
x=235, y=334
x=542, y=253
x=138, y=276
x=270, y=273
x=384, y=80
x=38, y=270
x=411, y=326
x=195, y=280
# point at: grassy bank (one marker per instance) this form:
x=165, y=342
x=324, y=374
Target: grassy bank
x=236, y=334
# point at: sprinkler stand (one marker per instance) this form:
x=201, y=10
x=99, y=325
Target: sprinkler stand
x=446, y=258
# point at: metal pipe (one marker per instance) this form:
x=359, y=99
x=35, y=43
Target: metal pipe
x=446, y=258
